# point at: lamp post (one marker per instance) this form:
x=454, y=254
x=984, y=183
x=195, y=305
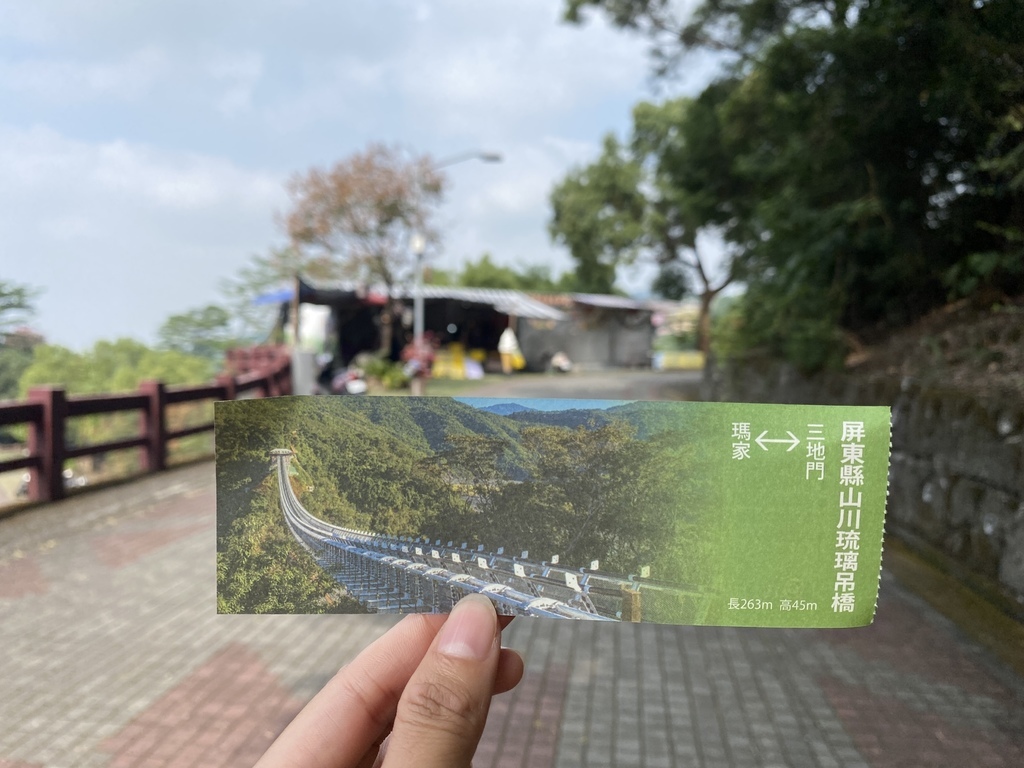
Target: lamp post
x=419, y=244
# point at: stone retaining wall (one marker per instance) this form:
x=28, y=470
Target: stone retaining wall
x=956, y=480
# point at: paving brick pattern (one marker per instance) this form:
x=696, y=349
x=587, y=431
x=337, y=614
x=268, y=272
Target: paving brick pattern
x=113, y=656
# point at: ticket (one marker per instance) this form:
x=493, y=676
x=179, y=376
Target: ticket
x=641, y=511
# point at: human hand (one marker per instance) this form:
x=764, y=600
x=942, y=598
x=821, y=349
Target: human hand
x=424, y=687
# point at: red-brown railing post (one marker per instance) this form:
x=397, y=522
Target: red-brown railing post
x=227, y=381
x=154, y=426
x=285, y=376
x=46, y=440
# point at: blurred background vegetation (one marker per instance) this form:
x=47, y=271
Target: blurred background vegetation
x=856, y=166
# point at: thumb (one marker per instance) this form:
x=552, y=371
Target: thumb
x=443, y=709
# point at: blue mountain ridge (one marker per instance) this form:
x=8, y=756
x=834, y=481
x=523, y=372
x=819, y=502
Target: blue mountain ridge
x=507, y=409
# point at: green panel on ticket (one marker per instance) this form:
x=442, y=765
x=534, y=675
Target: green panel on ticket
x=682, y=513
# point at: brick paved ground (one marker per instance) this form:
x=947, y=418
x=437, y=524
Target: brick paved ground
x=112, y=655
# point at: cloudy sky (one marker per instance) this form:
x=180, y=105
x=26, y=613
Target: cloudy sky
x=144, y=145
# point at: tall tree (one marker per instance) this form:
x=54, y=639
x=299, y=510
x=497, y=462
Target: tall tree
x=595, y=492
x=360, y=216
x=205, y=332
x=254, y=321
x=869, y=146
x=17, y=305
x=654, y=198
x=484, y=273
x=691, y=191
x=117, y=366
x=597, y=212
x=738, y=27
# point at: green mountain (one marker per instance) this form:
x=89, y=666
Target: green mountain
x=424, y=422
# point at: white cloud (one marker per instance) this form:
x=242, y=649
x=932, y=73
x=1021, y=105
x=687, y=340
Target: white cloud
x=337, y=89
x=238, y=75
x=52, y=167
x=498, y=76
x=63, y=80
x=503, y=209
x=121, y=235
x=535, y=170
x=144, y=144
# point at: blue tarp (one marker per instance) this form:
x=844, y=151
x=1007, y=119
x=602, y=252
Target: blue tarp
x=279, y=296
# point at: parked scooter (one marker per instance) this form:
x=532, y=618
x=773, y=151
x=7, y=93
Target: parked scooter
x=348, y=382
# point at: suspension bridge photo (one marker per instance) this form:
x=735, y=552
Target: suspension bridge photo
x=403, y=574
x=563, y=509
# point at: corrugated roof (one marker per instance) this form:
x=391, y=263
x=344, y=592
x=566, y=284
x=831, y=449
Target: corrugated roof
x=506, y=301
x=557, y=300
x=608, y=302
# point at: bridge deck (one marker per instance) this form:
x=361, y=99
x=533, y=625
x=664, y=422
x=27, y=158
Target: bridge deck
x=113, y=656
x=390, y=574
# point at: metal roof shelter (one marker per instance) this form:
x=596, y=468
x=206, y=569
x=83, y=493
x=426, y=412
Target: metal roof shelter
x=594, y=330
x=606, y=301
x=505, y=301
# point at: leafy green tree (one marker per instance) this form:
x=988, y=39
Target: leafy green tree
x=360, y=216
x=655, y=199
x=484, y=273
x=1002, y=265
x=17, y=305
x=737, y=27
x=598, y=212
x=266, y=273
x=204, y=332
x=868, y=151
x=13, y=363
x=16, y=350
x=589, y=493
x=111, y=367
x=539, y=278
x=438, y=276
x=262, y=569
x=475, y=467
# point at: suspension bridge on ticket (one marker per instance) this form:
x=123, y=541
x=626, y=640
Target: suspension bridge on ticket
x=402, y=574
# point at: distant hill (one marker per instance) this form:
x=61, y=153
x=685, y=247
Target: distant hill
x=649, y=418
x=570, y=419
x=424, y=422
x=421, y=425
x=507, y=409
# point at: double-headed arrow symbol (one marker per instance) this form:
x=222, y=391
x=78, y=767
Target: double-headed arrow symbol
x=793, y=440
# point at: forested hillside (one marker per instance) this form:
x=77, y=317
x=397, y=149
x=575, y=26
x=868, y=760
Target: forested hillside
x=608, y=486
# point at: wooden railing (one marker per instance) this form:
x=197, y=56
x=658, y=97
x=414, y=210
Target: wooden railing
x=47, y=410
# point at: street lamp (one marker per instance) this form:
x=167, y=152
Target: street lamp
x=418, y=243
x=461, y=157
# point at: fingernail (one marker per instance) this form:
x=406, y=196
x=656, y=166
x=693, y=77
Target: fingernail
x=470, y=631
